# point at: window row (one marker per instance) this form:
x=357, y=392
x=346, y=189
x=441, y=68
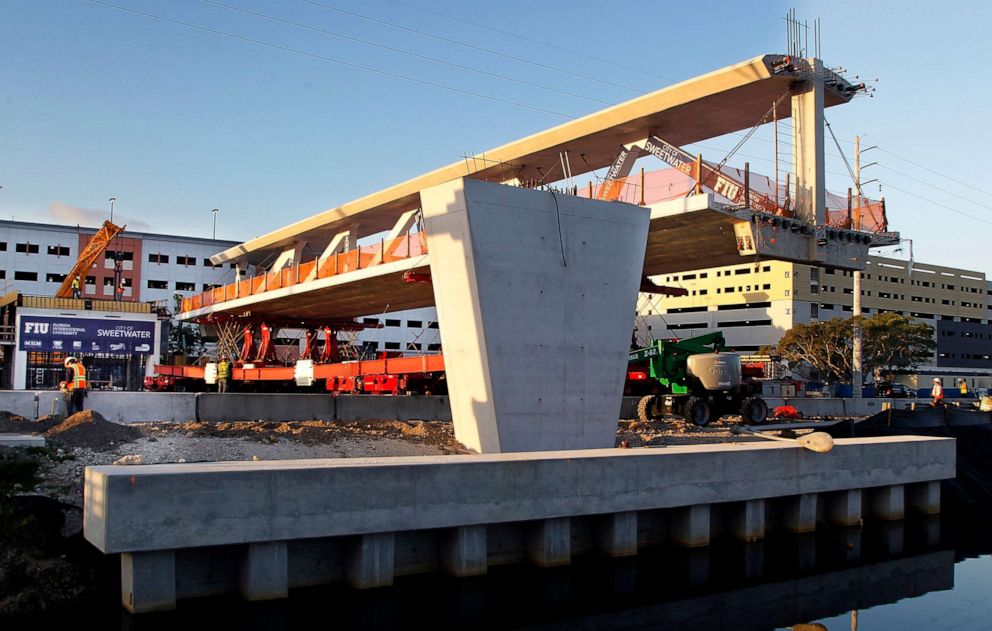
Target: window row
x=413, y=324
x=185, y=261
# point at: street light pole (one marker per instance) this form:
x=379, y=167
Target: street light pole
x=215, y=211
x=112, y=200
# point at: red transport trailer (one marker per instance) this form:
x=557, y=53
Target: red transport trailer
x=423, y=374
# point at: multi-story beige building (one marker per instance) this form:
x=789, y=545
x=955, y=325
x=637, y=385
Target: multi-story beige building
x=755, y=303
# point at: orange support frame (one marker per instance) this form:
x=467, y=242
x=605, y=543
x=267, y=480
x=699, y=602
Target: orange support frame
x=90, y=254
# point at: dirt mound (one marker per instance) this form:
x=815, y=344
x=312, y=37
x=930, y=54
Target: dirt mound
x=13, y=424
x=90, y=430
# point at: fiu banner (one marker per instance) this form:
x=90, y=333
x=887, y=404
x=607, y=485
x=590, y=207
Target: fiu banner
x=81, y=335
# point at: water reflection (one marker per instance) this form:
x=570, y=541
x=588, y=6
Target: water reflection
x=786, y=581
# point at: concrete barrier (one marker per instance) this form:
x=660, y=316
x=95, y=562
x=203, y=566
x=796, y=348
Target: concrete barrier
x=137, y=407
x=237, y=406
x=20, y=402
x=400, y=408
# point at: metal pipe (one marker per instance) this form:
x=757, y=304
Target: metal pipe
x=747, y=185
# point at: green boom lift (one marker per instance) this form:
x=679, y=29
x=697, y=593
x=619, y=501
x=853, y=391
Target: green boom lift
x=697, y=379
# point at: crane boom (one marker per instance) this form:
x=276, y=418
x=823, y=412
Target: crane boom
x=88, y=257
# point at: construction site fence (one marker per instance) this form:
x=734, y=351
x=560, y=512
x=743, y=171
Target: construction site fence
x=652, y=187
x=359, y=258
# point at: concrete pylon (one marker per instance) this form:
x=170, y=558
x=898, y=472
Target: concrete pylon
x=535, y=295
x=807, y=146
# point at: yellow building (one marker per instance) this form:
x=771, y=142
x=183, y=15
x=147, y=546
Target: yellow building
x=755, y=303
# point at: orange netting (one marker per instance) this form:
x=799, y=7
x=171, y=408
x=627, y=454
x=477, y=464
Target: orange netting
x=666, y=184
x=359, y=258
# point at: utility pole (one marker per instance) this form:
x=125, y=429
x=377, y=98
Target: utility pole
x=112, y=200
x=856, y=369
x=215, y=211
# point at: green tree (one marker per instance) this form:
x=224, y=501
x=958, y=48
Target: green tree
x=889, y=341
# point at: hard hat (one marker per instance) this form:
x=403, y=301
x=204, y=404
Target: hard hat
x=936, y=380
x=69, y=360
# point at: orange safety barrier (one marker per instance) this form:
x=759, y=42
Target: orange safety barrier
x=404, y=247
x=390, y=366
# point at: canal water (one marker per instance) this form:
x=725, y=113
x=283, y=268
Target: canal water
x=919, y=574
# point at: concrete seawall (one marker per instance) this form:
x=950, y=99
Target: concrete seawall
x=137, y=407
x=270, y=526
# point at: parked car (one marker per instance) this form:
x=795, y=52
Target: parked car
x=895, y=391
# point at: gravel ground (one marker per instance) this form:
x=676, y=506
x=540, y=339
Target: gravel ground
x=87, y=439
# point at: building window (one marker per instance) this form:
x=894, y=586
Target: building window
x=158, y=258
x=786, y=292
x=728, y=290
x=186, y=260
x=414, y=324
x=787, y=274
x=689, y=277
x=433, y=347
x=814, y=310
x=742, y=270
x=766, y=286
x=58, y=250
x=371, y=321
x=412, y=346
x=118, y=255
x=158, y=284
x=3, y=248
x=26, y=276
x=706, y=275
x=207, y=263
x=3, y=274
x=391, y=346
x=27, y=248
x=181, y=286
x=766, y=268
x=55, y=278
x=209, y=286
x=432, y=325
x=394, y=323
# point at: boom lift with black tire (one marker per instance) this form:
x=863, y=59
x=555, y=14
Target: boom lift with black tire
x=697, y=379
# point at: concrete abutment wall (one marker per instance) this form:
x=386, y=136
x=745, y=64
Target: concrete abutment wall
x=365, y=522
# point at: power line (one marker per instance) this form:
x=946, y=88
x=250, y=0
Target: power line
x=468, y=45
x=330, y=59
x=930, y=201
x=404, y=52
x=916, y=164
x=532, y=40
x=937, y=188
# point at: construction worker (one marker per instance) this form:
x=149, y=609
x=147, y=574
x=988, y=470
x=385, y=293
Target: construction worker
x=223, y=374
x=75, y=384
x=75, y=287
x=120, y=289
x=964, y=388
x=937, y=393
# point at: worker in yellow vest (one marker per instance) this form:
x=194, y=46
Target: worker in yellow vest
x=223, y=374
x=76, y=384
x=75, y=287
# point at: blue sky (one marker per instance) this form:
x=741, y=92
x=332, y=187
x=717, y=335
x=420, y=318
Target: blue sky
x=98, y=102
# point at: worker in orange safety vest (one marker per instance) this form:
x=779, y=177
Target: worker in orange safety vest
x=75, y=384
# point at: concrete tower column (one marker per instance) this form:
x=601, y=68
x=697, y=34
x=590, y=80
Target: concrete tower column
x=807, y=146
x=536, y=294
